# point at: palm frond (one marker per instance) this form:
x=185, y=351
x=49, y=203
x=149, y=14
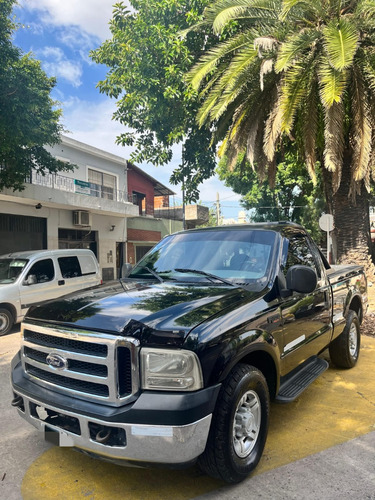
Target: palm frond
x=220, y=13
x=228, y=14
x=294, y=48
x=210, y=60
x=272, y=129
x=341, y=42
x=311, y=8
x=294, y=86
x=332, y=83
x=334, y=141
x=362, y=128
x=239, y=74
x=310, y=129
x=365, y=9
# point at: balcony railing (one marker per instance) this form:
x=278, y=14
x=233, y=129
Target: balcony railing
x=63, y=183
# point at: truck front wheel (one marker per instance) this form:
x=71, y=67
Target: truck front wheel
x=344, y=351
x=239, y=426
x=6, y=321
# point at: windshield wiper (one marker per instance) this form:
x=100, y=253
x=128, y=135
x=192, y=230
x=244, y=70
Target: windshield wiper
x=208, y=275
x=151, y=271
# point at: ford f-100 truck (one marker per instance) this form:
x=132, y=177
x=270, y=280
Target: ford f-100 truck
x=178, y=362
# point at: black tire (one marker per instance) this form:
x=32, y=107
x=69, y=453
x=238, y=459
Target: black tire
x=344, y=351
x=6, y=321
x=235, y=446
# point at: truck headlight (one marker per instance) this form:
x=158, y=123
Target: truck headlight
x=170, y=370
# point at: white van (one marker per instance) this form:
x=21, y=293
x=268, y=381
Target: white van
x=28, y=278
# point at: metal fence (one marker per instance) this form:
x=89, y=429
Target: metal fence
x=63, y=183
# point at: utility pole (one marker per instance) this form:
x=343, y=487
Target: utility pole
x=183, y=186
x=183, y=204
x=217, y=210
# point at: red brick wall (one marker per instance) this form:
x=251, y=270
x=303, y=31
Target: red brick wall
x=161, y=202
x=139, y=235
x=136, y=182
x=143, y=235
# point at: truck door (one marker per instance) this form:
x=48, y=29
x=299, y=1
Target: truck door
x=306, y=318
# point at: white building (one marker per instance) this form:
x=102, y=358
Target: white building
x=89, y=207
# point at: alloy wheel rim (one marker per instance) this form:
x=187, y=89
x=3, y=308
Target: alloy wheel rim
x=4, y=322
x=246, y=425
x=353, y=340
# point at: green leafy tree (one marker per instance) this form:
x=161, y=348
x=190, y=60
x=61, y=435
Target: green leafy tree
x=303, y=72
x=147, y=60
x=28, y=118
x=294, y=197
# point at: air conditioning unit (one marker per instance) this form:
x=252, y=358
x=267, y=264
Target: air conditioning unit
x=81, y=218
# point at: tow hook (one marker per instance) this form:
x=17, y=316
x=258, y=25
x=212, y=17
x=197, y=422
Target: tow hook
x=103, y=435
x=17, y=402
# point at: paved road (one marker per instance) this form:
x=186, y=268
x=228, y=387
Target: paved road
x=339, y=406
x=344, y=472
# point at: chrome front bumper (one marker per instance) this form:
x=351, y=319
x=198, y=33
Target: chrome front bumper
x=158, y=444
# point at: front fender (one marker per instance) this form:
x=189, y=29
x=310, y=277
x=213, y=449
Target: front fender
x=256, y=347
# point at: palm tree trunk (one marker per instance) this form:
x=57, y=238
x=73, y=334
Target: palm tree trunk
x=352, y=223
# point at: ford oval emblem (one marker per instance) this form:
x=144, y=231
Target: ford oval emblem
x=57, y=361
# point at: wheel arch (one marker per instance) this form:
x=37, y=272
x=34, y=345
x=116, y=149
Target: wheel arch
x=356, y=306
x=264, y=361
x=10, y=308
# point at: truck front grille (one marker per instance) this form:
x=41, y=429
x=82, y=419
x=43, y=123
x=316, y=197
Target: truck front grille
x=85, y=364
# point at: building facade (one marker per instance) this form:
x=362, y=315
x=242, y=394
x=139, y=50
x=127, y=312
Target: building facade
x=106, y=204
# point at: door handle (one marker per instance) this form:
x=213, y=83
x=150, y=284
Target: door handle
x=61, y=282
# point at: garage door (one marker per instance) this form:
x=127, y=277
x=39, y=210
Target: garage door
x=19, y=232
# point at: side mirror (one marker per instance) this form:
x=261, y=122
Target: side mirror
x=126, y=270
x=301, y=279
x=31, y=280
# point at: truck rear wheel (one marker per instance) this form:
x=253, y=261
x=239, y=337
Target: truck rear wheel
x=239, y=426
x=344, y=351
x=6, y=321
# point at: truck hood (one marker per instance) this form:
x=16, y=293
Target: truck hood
x=148, y=311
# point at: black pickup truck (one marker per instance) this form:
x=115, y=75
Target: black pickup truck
x=178, y=362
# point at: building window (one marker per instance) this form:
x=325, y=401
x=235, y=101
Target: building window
x=140, y=200
x=140, y=251
x=102, y=185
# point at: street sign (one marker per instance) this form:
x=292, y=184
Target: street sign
x=326, y=222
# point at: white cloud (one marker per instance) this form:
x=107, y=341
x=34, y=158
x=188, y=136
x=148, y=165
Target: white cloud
x=92, y=16
x=77, y=40
x=55, y=63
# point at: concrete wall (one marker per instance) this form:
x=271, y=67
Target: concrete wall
x=144, y=231
x=85, y=157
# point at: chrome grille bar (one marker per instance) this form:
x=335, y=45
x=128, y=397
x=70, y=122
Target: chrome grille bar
x=90, y=368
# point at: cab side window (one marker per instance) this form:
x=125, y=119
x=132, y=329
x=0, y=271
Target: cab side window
x=43, y=271
x=299, y=253
x=69, y=267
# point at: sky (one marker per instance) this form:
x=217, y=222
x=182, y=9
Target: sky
x=61, y=34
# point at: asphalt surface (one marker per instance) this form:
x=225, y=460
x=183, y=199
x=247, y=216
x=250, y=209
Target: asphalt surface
x=293, y=466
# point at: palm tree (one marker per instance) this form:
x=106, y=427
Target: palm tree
x=303, y=71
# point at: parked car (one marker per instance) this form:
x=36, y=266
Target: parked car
x=28, y=278
x=178, y=362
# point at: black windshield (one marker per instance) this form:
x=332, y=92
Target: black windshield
x=240, y=256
